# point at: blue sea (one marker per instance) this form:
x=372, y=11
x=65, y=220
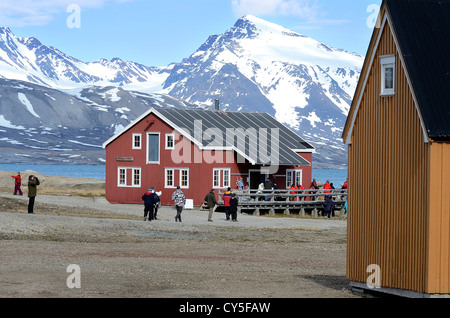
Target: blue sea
x=79, y=171
x=337, y=176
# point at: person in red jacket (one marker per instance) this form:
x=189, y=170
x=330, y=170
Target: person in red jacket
x=17, y=184
x=293, y=190
x=326, y=187
x=226, y=200
x=300, y=187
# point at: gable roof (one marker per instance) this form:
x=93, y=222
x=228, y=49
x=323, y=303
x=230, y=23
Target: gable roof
x=281, y=142
x=423, y=33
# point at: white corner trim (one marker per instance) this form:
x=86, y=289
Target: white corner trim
x=374, y=51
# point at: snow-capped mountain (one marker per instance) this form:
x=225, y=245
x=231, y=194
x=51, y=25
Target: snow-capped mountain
x=43, y=125
x=261, y=66
x=27, y=59
x=254, y=66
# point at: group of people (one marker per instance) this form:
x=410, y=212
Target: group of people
x=33, y=182
x=152, y=202
x=328, y=205
x=152, y=198
x=230, y=201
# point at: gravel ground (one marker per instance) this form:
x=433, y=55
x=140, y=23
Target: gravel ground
x=120, y=255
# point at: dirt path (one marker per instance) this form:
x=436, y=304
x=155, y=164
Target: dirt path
x=120, y=255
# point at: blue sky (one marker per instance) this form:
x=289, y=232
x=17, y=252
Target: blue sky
x=158, y=32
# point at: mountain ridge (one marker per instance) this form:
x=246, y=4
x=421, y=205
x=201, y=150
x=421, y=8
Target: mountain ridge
x=256, y=65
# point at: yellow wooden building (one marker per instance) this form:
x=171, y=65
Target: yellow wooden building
x=398, y=137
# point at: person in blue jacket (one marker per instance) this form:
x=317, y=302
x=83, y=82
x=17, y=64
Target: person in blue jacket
x=150, y=199
x=328, y=206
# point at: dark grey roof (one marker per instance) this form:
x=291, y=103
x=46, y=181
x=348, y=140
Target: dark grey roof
x=423, y=32
x=252, y=127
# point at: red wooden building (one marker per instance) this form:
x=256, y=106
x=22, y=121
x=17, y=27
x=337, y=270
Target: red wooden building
x=199, y=150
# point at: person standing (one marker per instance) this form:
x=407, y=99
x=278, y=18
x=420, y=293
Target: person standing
x=314, y=187
x=150, y=201
x=328, y=206
x=233, y=207
x=268, y=187
x=240, y=184
x=260, y=191
x=314, y=184
x=158, y=204
x=345, y=184
x=344, y=188
x=17, y=184
x=226, y=202
x=327, y=188
x=179, y=200
x=33, y=182
x=300, y=192
x=292, y=190
x=211, y=202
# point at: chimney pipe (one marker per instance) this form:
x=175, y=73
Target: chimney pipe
x=217, y=104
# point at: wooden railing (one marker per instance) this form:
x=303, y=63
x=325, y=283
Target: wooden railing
x=285, y=195
x=303, y=201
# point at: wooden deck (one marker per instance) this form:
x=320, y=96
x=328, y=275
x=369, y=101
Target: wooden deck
x=304, y=202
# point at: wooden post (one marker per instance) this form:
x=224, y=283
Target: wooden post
x=302, y=212
x=315, y=213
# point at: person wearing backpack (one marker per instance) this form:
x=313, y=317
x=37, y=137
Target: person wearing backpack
x=17, y=184
x=150, y=199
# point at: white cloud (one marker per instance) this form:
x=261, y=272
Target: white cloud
x=19, y=13
x=310, y=14
x=306, y=9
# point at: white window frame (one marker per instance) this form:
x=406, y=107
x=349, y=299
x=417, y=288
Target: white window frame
x=139, y=174
x=216, y=182
x=122, y=182
x=168, y=186
x=228, y=184
x=134, y=141
x=159, y=148
x=221, y=182
x=387, y=61
x=180, y=178
x=167, y=141
x=295, y=176
x=182, y=186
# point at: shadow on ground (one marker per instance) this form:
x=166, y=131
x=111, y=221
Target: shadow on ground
x=330, y=281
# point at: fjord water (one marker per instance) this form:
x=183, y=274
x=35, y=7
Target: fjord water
x=337, y=176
